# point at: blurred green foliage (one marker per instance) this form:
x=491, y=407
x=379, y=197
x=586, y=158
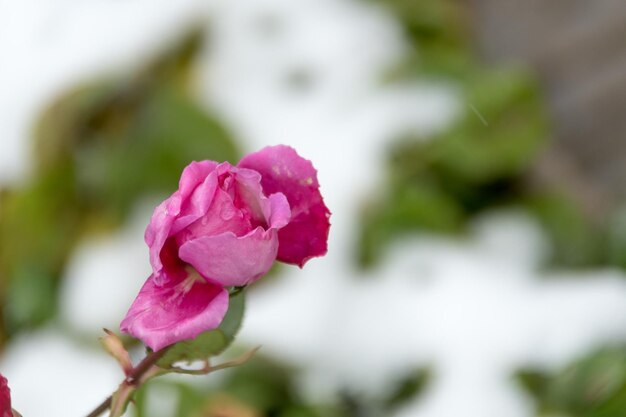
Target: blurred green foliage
x=406, y=388
x=594, y=386
x=440, y=183
x=266, y=387
x=487, y=159
x=99, y=149
x=439, y=32
x=261, y=387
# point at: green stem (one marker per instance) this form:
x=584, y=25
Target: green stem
x=236, y=290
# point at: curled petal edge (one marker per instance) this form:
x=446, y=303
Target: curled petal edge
x=284, y=171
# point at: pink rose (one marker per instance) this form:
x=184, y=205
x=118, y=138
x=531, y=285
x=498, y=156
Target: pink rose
x=224, y=227
x=5, y=398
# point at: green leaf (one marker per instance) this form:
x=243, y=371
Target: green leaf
x=407, y=388
x=533, y=381
x=209, y=343
x=593, y=386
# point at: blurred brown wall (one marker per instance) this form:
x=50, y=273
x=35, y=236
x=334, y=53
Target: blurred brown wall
x=577, y=48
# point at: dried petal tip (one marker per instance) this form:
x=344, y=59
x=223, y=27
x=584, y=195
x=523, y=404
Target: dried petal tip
x=114, y=346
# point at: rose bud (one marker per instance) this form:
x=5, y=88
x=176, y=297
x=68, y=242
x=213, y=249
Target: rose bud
x=224, y=227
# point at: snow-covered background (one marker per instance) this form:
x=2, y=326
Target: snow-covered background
x=474, y=310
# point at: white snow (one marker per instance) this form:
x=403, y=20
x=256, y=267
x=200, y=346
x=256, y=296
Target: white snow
x=50, y=375
x=48, y=46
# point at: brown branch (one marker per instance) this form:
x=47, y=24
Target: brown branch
x=101, y=408
x=143, y=367
x=133, y=378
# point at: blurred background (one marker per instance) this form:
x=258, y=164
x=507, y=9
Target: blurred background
x=472, y=154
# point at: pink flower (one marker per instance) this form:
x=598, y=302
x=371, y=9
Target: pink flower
x=224, y=227
x=5, y=398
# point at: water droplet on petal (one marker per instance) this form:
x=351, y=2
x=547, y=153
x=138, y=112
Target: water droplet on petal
x=227, y=211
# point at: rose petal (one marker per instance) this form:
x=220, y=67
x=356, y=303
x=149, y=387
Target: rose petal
x=176, y=211
x=196, y=204
x=232, y=260
x=278, y=211
x=158, y=229
x=180, y=309
x=283, y=170
x=272, y=212
x=222, y=216
x=249, y=194
x=5, y=398
x=193, y=175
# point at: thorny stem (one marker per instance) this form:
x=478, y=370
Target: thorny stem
x=133, y=378
x=147, y=362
